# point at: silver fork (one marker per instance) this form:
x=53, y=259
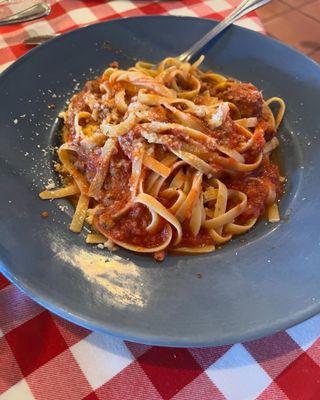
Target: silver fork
x=243, y=8
x=37, y=10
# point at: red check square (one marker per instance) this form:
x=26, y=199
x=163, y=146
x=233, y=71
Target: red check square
x=137, y=349
x=9, y=28
x=273, y=392
x=36, y=342
x=314, y=351
x=71, y=333
x=10, y=372
x=91, y=396
x=6, y=55
x=103, y=11
x=200, y=388
x=60, y=378
x=152, y=8
x=274, y=353
x=56, y=11
x=3, y=282
x=208, y=355
x=189, y=3
x=169, y=369
x=301, y=380
x=130, y=383
x=15, y=308
x=19, y=50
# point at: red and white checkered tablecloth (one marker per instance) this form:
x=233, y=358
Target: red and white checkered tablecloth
x=44, y=357
x=71, y=14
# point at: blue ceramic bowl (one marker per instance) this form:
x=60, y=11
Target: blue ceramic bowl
x=259, y=283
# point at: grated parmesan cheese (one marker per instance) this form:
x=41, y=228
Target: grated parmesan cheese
x=50, y=185
x=218, y=118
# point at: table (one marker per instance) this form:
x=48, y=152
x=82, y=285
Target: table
x=44, y=357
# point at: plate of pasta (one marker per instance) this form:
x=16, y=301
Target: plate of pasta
x=168, y=146
x=163, y=201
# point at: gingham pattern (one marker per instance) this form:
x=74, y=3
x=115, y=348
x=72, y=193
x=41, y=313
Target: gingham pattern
x=71, y=14
x=43, y=357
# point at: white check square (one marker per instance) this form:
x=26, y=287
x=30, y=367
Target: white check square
x=82, y=16
x=5, y=66
x=218, y=5
x=306, y=333
x=19, y=391
x=249, y=24
x=183, y=11
x=121, y=6
x=3, y=43
x=238, y=376
x=39, y=28
x=101, y=357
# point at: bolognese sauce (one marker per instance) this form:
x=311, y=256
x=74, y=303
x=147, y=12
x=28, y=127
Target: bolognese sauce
x=168, y=157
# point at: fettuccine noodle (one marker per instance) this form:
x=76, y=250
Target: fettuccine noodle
x=169, y=158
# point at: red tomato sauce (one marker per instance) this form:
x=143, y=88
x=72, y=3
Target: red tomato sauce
x=228, y=134
x=188, y=240
x=131, y=228
x=256, y=148
x=116, y=190
x=257, y=190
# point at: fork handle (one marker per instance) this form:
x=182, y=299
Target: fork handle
x=243, y=8
x=36, y=11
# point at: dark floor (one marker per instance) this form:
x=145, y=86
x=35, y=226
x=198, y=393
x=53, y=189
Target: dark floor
x=295, y=22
